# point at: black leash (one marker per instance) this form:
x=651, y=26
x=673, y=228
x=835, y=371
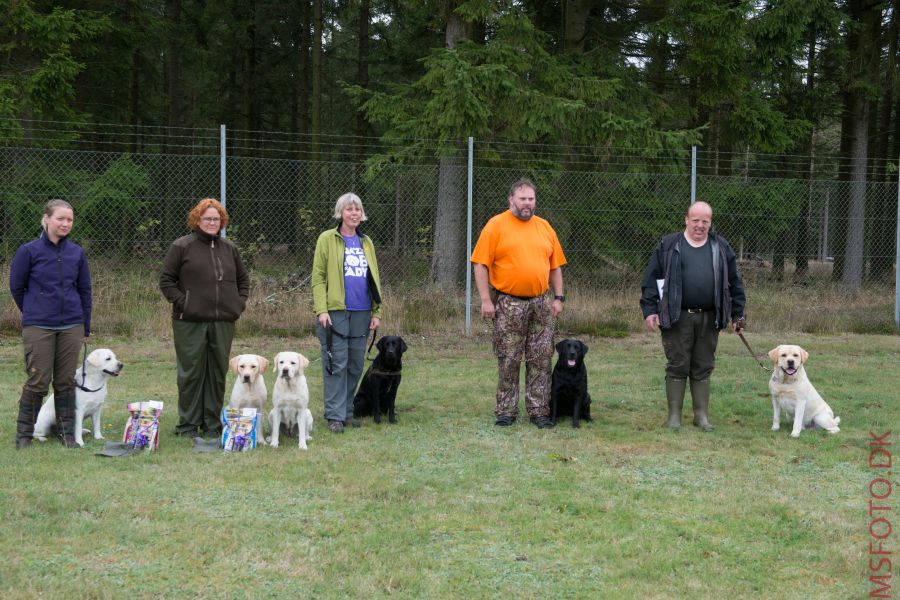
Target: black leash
x=329, y=345
x=369, y=351
x=81, y=385
x=753, y=354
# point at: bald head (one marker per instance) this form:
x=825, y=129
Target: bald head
x=697, y=223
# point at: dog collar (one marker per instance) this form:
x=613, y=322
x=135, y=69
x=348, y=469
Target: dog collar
x=86, y=389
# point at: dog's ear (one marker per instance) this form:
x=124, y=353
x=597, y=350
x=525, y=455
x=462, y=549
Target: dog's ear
x=559, y=345
x=381, y=343
x=773, y=353
x=233, y=363
x=402, y=345
x=804, y=356
x=263, y=363
x=275, y=363
x=95, y=359
x=304, y=362
x=584, y=348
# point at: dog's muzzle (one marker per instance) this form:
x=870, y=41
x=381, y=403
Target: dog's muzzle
x=789, y=370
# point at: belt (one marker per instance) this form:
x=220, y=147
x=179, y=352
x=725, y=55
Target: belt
x=522, y=297
x=695, y=311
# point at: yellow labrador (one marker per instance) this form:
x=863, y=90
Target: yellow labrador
x=249, y=389
x=794, y=394
x=290, y=398
x=90, y=396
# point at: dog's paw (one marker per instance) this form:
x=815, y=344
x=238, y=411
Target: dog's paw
x=272, y=443
x=99, y=436
x=795, y=434
x=393, y=420
x=776, y=427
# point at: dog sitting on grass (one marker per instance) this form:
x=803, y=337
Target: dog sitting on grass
x=568, y=386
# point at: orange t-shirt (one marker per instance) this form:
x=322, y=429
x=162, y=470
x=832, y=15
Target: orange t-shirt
x=519, y=254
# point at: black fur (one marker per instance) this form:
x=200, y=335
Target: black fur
x=568, y=387
x=377, y=394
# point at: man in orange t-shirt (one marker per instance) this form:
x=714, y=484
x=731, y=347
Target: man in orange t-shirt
x=518, y=257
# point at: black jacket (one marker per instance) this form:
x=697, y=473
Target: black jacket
x=665, y=263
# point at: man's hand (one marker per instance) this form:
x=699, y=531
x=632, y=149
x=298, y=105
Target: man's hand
x=652, y=322
x=739, y=324
x=487, y=309
x=556, y=307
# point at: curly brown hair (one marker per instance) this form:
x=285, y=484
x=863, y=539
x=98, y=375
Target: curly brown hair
x=193, y=218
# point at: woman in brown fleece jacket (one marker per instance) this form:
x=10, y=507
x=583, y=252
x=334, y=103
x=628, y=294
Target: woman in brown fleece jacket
x=206, y=282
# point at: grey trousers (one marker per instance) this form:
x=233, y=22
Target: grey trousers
x=51, y=354
x=350, y=331
x=201, y=351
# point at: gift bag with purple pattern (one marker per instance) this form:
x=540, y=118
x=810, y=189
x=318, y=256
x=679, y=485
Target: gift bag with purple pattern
x=142, y=429
x=239, y=429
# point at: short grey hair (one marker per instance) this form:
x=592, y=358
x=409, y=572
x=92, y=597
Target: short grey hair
x=345, y=201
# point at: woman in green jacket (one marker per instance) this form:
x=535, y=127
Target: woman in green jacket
x=347, y=301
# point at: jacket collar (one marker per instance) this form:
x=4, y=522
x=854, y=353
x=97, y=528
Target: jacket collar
x=359, y=231
x=46, y=238
x=205, y=237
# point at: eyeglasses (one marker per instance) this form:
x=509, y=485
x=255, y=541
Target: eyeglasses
x=211, y=219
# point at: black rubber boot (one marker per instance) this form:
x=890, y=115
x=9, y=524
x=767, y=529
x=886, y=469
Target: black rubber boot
x=65, y=418
x=700, y=400
x=675, y=397
x=29, y=406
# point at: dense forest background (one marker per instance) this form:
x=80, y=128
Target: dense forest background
x=807, y=88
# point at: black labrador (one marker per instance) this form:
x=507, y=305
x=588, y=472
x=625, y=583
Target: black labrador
x=377, y=394
x=568, y=387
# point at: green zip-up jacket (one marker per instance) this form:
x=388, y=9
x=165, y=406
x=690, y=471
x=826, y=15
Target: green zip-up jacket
x=328, y=273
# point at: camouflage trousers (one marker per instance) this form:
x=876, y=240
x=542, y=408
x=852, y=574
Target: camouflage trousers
x=523, y=328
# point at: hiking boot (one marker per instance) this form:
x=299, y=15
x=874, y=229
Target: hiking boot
x=541, y=422
x=22, y=443
x=505, y=421
x=336, y=426
x=352, y=422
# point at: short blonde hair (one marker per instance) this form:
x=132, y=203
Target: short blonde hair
x=345, y=201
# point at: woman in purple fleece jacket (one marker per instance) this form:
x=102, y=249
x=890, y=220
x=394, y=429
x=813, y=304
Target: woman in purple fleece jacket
x=51, y=284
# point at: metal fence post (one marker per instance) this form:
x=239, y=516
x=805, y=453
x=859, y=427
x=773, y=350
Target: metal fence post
x=469, y=245
x=897, y=257
x=222, y=171
x=693, y=174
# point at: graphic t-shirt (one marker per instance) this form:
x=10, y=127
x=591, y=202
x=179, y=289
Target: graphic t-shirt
x=356, y=288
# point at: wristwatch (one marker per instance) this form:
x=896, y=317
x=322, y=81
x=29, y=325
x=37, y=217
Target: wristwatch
x=560, y=297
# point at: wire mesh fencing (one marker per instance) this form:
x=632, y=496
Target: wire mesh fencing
x=130, y=205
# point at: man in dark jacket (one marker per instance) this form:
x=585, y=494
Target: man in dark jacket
x=691, y=290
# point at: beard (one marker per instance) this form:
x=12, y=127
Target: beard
x=519, y=214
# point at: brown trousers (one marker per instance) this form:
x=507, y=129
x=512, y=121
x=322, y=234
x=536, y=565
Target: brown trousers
x=690, y=346
x=51, y=356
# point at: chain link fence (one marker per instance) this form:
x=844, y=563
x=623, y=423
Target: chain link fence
x=784, y=224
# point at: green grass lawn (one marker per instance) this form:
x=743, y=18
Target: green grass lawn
x=445, y=505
